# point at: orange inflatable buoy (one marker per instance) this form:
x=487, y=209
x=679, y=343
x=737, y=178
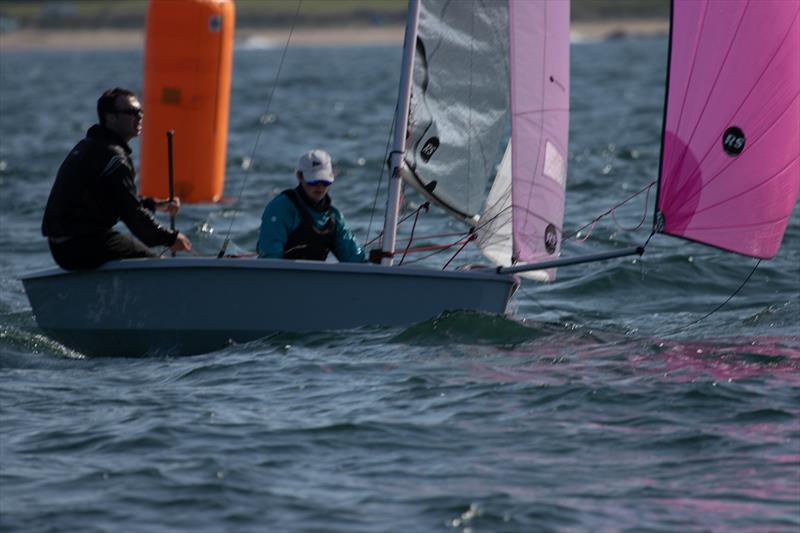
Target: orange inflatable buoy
x=188, y=61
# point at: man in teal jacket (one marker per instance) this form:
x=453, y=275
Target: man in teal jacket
x=301, y=223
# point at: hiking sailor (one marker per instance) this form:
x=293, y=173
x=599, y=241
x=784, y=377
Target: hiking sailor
x=94, y=189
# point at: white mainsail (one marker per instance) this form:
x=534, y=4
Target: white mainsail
x=460, y=103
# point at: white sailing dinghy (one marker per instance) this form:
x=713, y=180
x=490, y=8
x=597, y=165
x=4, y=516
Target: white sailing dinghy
x=730, y=175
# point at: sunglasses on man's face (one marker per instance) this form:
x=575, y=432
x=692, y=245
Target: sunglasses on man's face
x=130, y=111
x=319, y=182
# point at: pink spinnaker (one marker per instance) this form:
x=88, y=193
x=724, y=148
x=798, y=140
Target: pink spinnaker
x=730, y=168
x=539, y=57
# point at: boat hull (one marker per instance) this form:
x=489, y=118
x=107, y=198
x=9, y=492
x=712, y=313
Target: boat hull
x=193, y=305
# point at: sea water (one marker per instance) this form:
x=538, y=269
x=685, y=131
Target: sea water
x=599, y=404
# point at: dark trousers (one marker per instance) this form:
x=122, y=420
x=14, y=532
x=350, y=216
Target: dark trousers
x=90, y=251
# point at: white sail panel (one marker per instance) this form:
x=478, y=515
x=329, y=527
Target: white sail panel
x=460, y=102
x=495, y=238
x=494, y=231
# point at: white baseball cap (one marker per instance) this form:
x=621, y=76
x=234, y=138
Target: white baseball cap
x=316, y=166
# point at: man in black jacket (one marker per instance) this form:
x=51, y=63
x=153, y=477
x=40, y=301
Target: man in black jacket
x=95, y=189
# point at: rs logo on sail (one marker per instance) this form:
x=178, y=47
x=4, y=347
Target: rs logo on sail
x=550, y=239
x=733, y=141
x=429, y=149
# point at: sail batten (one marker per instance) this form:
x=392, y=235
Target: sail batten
x=731, y=135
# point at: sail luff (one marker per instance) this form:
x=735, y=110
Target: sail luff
x=657, y=219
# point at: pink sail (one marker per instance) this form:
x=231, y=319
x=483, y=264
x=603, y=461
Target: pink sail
x=539, y=57
x=730, y=167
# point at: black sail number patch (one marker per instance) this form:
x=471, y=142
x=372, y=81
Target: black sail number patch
x=550, y=239
x=429, y=148
x=733, y=141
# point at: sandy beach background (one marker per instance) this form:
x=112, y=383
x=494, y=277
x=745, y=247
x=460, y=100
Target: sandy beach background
x=31, y=39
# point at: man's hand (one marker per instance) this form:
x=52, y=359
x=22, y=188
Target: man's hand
x=165, y=206
x=182, y=244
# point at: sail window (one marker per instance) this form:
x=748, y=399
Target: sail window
x=554, y=165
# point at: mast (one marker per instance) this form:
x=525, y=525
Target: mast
x=400, y=128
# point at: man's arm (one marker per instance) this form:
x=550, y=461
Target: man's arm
x=347, y=248
x=119, y=180
x=279, y=220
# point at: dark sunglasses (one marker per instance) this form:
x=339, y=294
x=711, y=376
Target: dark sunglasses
x=130, y=111
x=319, y=182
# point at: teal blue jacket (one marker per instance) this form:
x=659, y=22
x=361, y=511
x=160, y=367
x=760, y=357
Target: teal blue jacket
x=280, y=219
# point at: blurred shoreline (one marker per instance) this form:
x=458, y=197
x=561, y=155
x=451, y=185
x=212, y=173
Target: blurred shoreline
x=37, y=39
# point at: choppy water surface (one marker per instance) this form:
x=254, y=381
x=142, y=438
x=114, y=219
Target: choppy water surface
x=593, y=408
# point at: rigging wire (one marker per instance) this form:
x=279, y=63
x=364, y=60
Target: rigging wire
x=437, y=249
x=227, y=240
x=367, y=242
x=720, y=306
x=645, y=211
x=681, y=328
x=409, y=215
x=413, y=228
x=472, y=234
x=611, y=210
x=472, y=237
x=504, y=212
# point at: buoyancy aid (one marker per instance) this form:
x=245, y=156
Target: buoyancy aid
x=308, y=241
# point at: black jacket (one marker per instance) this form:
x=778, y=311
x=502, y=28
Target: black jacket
x=95, y=189
x=307, y=241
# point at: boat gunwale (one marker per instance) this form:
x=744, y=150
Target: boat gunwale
x=489, y=274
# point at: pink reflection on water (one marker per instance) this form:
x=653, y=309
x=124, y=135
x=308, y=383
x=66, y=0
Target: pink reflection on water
x=752, y=456
x=728, y=359
x=787, y=459
x=709, y=508
x=561, y=359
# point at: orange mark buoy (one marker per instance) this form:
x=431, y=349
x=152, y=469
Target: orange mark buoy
x=188, y=61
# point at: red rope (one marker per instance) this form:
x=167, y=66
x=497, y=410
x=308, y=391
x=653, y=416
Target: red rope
x=435, y=236
x=431, y=247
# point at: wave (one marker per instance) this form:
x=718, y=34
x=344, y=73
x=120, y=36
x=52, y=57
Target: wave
x=473, y=327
